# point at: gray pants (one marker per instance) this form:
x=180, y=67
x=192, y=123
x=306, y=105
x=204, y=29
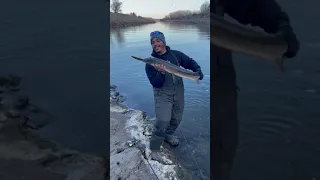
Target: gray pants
x=169, y=111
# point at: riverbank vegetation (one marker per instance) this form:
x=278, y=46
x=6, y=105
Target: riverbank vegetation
x=117, y=19
x=200, y=16
x=123, y=20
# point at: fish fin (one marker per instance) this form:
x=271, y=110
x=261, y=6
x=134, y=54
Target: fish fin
x=198, y=81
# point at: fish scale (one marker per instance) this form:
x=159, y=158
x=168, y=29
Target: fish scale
x=171, y=68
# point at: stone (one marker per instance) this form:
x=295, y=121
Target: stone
x=30, y=155
x=122, y=165
x=113, y=87
x=9, y=83
x=13, y=113
x=22, y=102
x=3, y=117
x=33, y=109
x=10, y=80
x=36, y=121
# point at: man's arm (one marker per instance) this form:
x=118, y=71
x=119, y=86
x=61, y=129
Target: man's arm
x=186, y=62
x=155, y=77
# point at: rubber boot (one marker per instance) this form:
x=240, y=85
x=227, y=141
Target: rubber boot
x=172, y=140
x=155, y=142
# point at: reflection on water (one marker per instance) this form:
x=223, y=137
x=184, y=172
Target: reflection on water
x=130, y=77
x=117, y=35
x=203, y=30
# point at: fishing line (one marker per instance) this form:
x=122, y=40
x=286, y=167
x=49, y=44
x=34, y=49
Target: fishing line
x=194, y=159
x=152, y=169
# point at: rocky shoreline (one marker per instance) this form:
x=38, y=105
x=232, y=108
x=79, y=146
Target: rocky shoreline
x=25, y=155
x=130, y=132
x=31, y=157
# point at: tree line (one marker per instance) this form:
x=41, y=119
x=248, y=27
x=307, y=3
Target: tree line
x=204, y=10
x=116, y=6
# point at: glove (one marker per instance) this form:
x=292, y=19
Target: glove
x=200, y=73
x=291, y=38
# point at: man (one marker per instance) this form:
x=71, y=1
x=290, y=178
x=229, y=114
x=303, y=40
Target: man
x=168, y=92
x=268, y=15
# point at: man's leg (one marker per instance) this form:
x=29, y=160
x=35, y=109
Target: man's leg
x=176, y=117
x=224, y=114
x=163, y=108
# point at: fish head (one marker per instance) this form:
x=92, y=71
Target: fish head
x=150, y=61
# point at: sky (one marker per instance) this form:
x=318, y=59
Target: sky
x=159, y=8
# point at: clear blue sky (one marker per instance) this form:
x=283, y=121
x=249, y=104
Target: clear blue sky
x=159, y=8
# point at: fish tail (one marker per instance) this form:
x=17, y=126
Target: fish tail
x=136, y=58
x=280, y=64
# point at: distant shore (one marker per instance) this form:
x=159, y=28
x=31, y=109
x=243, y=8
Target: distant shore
x=124, y=20
x=195, y=18
x=118, y=20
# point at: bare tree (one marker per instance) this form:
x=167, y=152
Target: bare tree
x=133, y=14
x=182, y=14
x=116, y=6
x=205, y=7
x=178, y=14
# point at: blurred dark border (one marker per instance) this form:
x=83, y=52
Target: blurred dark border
x=29, y=34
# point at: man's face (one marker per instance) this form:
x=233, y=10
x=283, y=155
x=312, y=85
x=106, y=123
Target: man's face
x=157, y=45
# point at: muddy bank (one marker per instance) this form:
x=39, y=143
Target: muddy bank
x=123, y=20
x=31, y=156
x=130, y=132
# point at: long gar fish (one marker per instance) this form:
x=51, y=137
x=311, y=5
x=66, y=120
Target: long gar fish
x=171, y=68
x=241, y=39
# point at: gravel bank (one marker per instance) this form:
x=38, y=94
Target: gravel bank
x=130, y=162
x=25, y=155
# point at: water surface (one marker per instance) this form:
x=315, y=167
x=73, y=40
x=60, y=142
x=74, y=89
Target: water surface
x=279, y=115
x=278, y=112
x=130, y=77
